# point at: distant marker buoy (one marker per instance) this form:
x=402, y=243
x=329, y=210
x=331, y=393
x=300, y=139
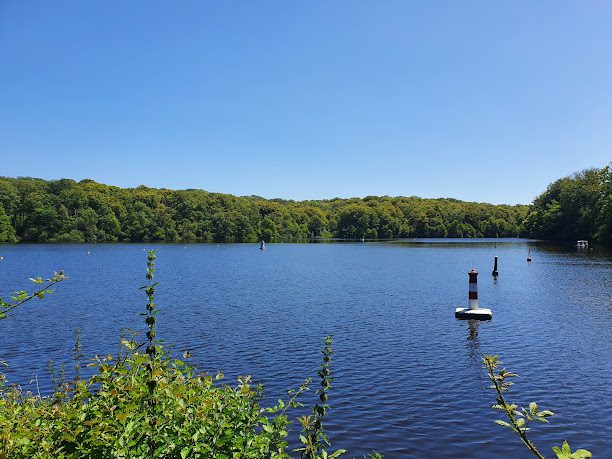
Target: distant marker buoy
x=529, y=256
x=474, y=311
x=495, y=273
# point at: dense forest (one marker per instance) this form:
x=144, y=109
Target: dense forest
x=64, y=210
x=576, y=207
x=573, y=208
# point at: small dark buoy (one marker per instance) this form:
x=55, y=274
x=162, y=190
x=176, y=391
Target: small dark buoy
x=495, y=273
x=529, y=256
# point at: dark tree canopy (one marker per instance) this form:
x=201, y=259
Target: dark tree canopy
x=573, y=208
x=577, y=207
x=64, y=210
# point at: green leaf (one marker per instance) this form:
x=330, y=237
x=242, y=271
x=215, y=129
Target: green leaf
x=560, y=454
x=564, y=452
x=268, y=428
x=581, y=453
x=503, y=423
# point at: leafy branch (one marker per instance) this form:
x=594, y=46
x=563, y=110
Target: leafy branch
x=23, y=296
x=151, y=351
x=519, y=418
x=314, y=438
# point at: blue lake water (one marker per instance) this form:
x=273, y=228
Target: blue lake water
x=409, y=377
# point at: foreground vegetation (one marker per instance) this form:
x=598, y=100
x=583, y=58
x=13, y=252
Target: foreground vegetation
x=518, y=418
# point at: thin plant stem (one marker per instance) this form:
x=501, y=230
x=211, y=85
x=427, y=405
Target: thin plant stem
x=510, y=414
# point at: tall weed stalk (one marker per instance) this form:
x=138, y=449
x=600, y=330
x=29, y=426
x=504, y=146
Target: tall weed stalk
x=519, y=418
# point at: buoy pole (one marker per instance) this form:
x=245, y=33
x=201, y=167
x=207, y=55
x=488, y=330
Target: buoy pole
x=495, y=273
x=473, y=292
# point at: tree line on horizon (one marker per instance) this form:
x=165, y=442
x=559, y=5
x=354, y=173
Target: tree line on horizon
x=37, y=210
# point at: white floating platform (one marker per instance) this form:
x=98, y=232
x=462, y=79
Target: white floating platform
x=478, y=314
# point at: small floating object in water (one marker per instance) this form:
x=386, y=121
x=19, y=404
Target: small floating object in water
x=474, y=311
x=495, y=273
x=88, y=252
x=582, y=244
x=529, y=256
x=262, y=245
x=1, y=258
x=362, y=239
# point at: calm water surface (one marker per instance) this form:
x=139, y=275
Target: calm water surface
x=409, y=379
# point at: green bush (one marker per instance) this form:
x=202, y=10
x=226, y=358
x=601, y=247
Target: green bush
x=110, y=415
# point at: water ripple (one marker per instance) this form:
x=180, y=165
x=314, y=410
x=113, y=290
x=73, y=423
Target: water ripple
x=408, y=376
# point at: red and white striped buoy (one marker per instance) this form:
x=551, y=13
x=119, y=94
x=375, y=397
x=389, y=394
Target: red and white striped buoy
x=474, y=311
x=473, y=295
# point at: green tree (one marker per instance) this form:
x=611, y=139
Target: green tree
x=267, y=230
x=7, y=232
x=64, y=210
x=356, y=221
x=572, y=208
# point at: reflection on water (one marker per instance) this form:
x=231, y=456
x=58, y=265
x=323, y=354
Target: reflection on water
x=472, y=340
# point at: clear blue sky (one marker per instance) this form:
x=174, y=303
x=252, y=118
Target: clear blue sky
x=476, y=100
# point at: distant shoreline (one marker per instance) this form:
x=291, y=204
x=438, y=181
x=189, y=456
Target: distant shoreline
x=572, y=208
x=37, y=210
